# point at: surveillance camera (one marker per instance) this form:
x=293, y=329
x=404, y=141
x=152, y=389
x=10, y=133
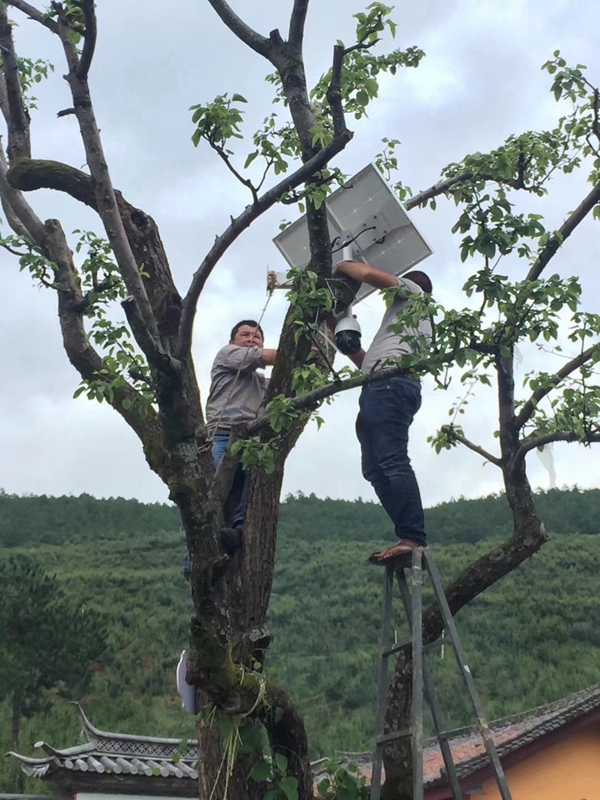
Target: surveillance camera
x=347, y=335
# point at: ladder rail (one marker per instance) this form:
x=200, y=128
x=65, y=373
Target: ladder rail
x=422, y=681
x=417, y=674
x=431, y=697
x=465, y=671
x=382, y=684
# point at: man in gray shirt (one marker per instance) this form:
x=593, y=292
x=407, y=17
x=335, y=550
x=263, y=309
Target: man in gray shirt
x=237, y=390
x=387, y=408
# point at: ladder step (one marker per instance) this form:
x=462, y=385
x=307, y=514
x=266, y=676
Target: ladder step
x=390, y=737
x=395, y=648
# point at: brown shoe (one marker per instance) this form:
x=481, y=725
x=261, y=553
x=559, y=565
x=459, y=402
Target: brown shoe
x=402, y=547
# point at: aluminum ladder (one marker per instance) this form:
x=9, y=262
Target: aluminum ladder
x=422, y=682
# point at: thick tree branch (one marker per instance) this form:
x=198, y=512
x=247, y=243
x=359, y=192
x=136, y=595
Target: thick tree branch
x=33, y=13
x=29, y=175
x=527, y=410
x=457, y=437
x=556, y=436
x=86, y=360
x=297, y=22
x=260, y=44
x=107, y=202
x=564, y=232
x=334, y=90
x=89, y=38
x=239, y=224
x=19, y=214
x=19, y=143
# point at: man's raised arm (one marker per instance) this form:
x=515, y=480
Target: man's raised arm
x=365, y=273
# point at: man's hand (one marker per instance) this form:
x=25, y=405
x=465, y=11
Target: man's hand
x=268, y=357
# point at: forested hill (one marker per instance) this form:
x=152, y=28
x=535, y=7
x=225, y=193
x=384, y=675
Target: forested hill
x=532, y=638
x=72, y=520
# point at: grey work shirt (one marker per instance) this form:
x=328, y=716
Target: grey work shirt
x=388, y=344
x=235, y=399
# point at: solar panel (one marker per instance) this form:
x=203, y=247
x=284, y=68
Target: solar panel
x=365, y=214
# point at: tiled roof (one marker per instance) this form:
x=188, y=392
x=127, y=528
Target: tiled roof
x=510, y=734
x=117, y=754
x=148, y=756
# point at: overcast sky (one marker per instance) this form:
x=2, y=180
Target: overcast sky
x=480, y=82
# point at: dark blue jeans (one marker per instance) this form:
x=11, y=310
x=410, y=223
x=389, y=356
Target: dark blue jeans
x=239, y=481
x=387, y=409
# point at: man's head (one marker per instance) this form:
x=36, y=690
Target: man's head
x=247, y=333
x=422, y=280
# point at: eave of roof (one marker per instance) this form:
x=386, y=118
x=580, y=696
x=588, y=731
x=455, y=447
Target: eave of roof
x=152, y=756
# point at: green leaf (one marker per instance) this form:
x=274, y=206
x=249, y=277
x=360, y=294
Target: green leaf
x=238, y=98
x=281, y=762
x=289, y=786
x=261, y=772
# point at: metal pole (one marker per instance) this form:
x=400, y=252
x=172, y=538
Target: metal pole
x=382, y=683
x=417, y=675
x=430, y=695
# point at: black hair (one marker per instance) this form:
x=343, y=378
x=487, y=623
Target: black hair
x=253, y=324
x=422, y=280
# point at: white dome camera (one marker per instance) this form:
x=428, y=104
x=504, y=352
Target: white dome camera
x=347, y=334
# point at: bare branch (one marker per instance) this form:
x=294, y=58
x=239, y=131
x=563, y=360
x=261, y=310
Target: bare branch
x=239, y=224
x=19, y=144
x=297, y=22
x=311, y=399
x=527, y=410
x=33, y=13
x=260, y=44
x=444, y=186
x=564, y=232
x=226, y=160
x=556, y=436
x=89, y=38
x=437, y=189
x=454, y=435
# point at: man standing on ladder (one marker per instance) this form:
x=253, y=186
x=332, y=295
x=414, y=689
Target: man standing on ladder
x=387, y=408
